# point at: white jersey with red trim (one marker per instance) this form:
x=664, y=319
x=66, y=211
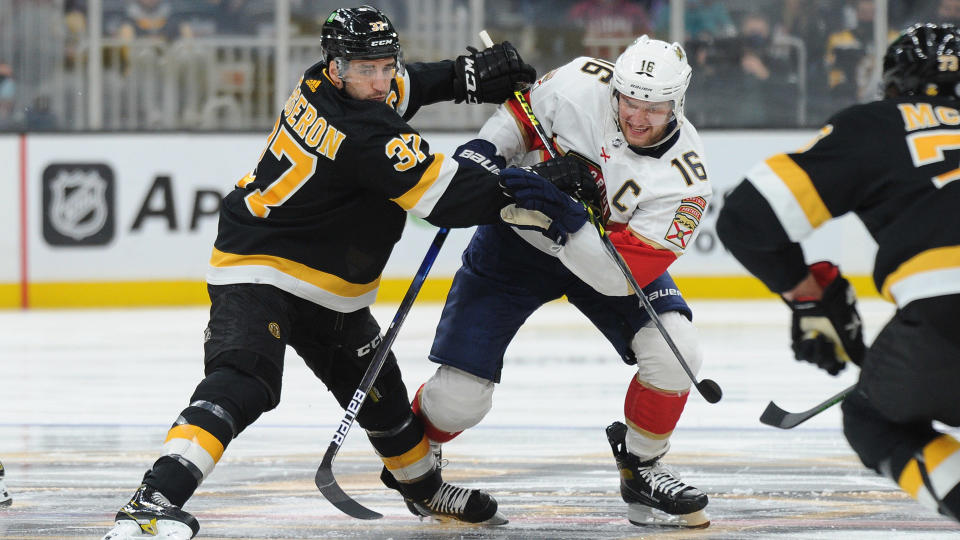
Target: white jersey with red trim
x=660, y=193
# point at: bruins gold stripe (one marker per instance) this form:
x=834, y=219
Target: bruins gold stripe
x=799, y=183
x=410, y=199
x=934, y=453
x=409, y=457
x=925, y=261
x=323, y=280
x=198, y=435
x=194, y=293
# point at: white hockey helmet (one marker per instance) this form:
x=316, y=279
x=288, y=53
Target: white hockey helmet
x=652, y=70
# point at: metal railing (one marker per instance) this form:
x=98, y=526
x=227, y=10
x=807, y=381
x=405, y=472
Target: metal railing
x=92, y=80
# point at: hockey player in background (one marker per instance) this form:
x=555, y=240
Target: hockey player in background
x=894, y=163
x=5, y=499
x=623, y=122
x=302, y=243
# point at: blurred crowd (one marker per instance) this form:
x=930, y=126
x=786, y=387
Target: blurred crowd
x=757, y=63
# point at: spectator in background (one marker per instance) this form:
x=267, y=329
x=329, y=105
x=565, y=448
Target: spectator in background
x=609, y=25
x=8, y=93
x=948, y=12
x=747, y=81
x=812, y=21
x=225, y=17
x=850, y=57
x=703, y=19
x=152, y=18
x=768, y=84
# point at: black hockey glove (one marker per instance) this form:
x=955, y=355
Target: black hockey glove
x=571, y=176
x=828, y=332
x=540, y=206
x=490, y=75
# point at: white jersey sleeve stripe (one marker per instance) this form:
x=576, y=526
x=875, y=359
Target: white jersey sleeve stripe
x=421, y=198
x=791, y=195
x=934, y=272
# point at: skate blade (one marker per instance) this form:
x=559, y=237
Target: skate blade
x=496, y=519
x=127, y=529
x=645, y=516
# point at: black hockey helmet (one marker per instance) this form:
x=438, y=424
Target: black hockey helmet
x=359, y=33
x=925, y=61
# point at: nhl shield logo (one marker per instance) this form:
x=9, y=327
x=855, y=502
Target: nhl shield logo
x=78, y=204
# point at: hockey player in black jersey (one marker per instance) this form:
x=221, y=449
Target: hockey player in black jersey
x=302, y=242
x=5, y=499
x=894, y=163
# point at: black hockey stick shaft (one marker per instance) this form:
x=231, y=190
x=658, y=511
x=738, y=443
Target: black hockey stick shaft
x=709, y=389
x=774, y=416
x=324, y=479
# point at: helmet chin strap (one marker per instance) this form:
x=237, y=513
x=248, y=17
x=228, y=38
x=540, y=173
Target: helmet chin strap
x=673, y=127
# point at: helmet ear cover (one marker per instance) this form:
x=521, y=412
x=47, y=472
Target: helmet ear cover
x=924, y=61
x=360, y=33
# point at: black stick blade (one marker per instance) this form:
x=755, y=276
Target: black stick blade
x=710, y=390
x=774, y=416
x=331, y=490
x=779, y=418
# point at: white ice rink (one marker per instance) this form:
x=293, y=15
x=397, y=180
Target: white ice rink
x=86, y=398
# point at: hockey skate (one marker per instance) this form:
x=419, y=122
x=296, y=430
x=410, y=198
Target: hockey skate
x=654, y=495
x=5, y=499
x=150, y=515
x=450, y=503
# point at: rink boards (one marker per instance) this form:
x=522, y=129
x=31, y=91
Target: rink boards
x=129, y=219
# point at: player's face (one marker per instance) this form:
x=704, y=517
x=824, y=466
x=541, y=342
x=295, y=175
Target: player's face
x=368, y=79
x=643, y=122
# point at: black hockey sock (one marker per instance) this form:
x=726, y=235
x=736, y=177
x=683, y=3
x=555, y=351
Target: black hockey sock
x=173, y=479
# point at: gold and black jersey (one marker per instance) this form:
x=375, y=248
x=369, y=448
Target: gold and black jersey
x=320, y=213
x=894, y=163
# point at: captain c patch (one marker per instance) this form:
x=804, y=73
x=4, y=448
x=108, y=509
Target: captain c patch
x=685, y=221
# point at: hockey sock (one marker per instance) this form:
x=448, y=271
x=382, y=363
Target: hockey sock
x=652, y=414
x=406, y=454
x=193, y=447
x=932, y=476
x=224, y=403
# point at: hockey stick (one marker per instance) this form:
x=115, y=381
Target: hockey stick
x=709, y=389
x=324, y=479
x=774, y=416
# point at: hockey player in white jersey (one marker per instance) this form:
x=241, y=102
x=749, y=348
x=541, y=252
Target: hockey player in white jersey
x=625, y=122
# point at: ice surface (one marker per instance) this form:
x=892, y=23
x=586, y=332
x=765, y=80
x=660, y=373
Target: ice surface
x=87, y=396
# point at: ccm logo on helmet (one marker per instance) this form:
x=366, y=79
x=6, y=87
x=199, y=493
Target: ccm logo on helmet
x=381, y=42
